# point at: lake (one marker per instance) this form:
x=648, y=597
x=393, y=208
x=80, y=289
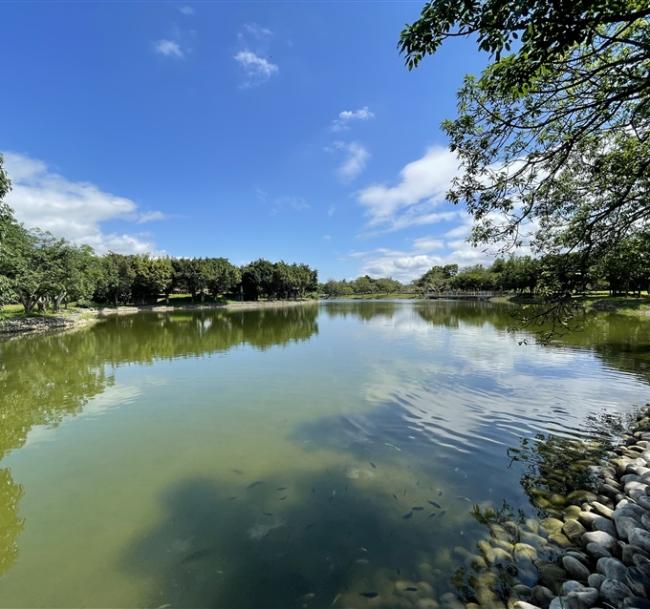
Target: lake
x=330, y=455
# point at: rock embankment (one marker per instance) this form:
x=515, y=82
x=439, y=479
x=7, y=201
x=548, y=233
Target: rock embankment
x=45, y=323
x=600, y=547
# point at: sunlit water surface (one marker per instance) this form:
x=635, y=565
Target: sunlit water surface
x=279, y=458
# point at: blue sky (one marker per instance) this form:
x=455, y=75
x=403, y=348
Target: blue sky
x=288, y=130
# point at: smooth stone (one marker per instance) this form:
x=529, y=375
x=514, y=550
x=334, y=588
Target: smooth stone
x=624, y=524
x=573, y=530
x=582, y=599
x=541, y=596
x=629, y=551
x=645, y=520
x=611, y=568
x=600, y=523
x=558, y=603
x=569, y=586
x=575, y=568
x=626, y=508
x=643, y=501
x=603, y=510
x=522, y=591
x=630, y=478
x=608, y=489
x=642, y=562
x=640, y=537
x=595, y=580
x=636, y=581
x=571, y=511
x=551, y=575
x=581, y=556
x=600, y=537
x=636, y=602
x=587, y=518
x=596, y=550
x=524, y=551
x=580, y=496
x=559, y=539
x=524, y=605
x=552, y=524
x=533, y=525
x=614, y=591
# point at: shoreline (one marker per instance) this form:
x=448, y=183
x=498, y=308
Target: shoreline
x=592, y=547
x=39, y=324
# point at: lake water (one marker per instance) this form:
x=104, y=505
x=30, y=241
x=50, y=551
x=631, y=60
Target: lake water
x=280, y=458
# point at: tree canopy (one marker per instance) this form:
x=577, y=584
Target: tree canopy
x=553, y=138
x=43, y=272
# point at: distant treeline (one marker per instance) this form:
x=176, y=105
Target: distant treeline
x=622, y=270
x=43, y=272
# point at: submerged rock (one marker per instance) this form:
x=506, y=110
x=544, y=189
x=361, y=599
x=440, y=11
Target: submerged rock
x=601, y=538
x=575, y=568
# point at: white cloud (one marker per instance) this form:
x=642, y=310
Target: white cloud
x=257, y=70
x=411, y=264
x=355, y=159
x=74, y=210
x=341, y=123
x=462, y=230
x=423, y=184
x=168, y=48
x=427, y=244
x=186, y=10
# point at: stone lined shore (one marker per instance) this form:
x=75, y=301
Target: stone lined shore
x=596, y=553
x=85, y=317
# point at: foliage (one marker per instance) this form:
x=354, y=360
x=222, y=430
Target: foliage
x=43, y=272
x=362, y=285
x=554, y=137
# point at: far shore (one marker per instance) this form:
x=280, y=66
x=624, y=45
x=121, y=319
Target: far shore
x=82, y=317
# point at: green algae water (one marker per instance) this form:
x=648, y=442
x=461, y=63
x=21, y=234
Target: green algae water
x=334, y=455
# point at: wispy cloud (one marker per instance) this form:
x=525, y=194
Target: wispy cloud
x=74, y=210
x=255, y=30
x=257, y=70
x=342, y=121
x=186, y=10
x=422, y=185
x=168, y=48
x=150, y=216
x=355, y=159
x=253, y=55
x=427, y=244
x=284, y=203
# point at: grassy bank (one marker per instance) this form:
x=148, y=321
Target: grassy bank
x=634, y=306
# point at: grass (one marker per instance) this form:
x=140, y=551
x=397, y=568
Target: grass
x=598, y=301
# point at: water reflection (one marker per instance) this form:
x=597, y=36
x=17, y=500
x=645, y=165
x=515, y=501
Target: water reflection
x=367, y=412
x=46, y=378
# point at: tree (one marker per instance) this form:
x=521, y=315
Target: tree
x=437, y=278
x=554, y=137
x=223, y=277
x=627, y=267
x=115, y=282
x=152, y=277
x=257, y=279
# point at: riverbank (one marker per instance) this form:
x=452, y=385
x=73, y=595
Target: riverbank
x=593, y=547
x=79, y=318
x=633, y=306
